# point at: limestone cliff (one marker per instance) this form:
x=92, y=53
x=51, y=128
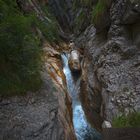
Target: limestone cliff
x=111, y=72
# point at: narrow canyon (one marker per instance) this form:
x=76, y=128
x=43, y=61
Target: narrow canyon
x=90, y=75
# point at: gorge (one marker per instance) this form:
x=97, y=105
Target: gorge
x=67, y=105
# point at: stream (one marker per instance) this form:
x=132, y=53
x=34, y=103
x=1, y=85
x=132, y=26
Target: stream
x=82, y=128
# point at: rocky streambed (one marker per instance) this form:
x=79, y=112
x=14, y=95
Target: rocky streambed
x=82, y=128
x=69, y=83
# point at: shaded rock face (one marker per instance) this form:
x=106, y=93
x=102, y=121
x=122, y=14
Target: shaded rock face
x=111, y=71
x=69, y=13
x=33, y=6
x=63, y=12
x=33, y=117
x=90, y=96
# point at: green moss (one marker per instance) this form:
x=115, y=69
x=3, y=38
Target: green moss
x=131, y=120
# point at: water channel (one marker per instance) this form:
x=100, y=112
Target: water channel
x=82, y=128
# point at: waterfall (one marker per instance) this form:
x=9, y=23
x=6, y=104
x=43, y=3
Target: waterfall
x=82, y=128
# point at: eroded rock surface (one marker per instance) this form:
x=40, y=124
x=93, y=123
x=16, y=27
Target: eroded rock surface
x=62, y=9
x=36, y=116
x=111, y=71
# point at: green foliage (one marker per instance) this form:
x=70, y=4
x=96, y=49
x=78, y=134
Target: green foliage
x=80, y=19
x=20, y=51
x=82, y=9
x=49, y=27
x=99, y=10
x=49, y=30
x=131, y=120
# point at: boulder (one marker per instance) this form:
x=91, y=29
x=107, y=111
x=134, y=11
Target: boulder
x=74, y=61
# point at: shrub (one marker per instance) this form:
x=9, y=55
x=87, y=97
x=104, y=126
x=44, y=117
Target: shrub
x=131, y=120
x=49, y=27
x=20, y=51
x=49, y=30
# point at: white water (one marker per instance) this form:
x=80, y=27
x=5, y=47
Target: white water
x=82, y=128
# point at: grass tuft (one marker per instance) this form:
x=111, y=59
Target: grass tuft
x=99, y=10
x=131, y=120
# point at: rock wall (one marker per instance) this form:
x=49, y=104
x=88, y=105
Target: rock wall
x=111, y=71
x=32, y=117
x=62, y=9
x=43, y=115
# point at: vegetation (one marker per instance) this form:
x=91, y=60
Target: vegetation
x=90, y=12
x=49, y=30
x=99, y=10
x=49, y=27
x=83, y=8
x=131, y=120
x=19, y=51
x=80, y=19
x=20, y=48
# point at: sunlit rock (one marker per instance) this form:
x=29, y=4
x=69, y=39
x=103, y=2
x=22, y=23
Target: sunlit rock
x=74, y=61
x=106, y=124
x=54, y=67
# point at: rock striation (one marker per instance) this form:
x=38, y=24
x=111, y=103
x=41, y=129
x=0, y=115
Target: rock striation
x=62, y=9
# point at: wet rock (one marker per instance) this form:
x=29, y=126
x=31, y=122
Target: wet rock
x=90, y=96
x=55, y=70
